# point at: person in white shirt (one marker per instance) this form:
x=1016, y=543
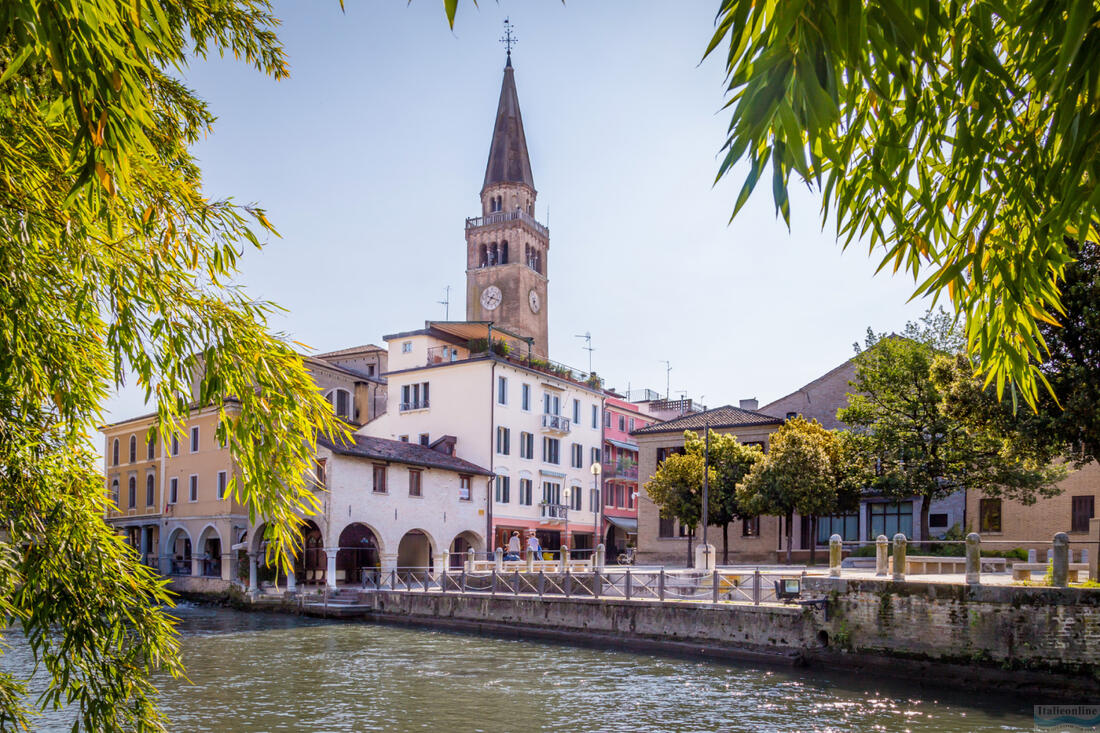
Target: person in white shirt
x=512, y=553
x=533, y=545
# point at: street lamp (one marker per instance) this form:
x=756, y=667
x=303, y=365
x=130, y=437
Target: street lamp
x=565, y=510
x=596, y=470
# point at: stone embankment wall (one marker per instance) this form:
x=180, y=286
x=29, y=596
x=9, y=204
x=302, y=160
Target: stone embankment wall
x=763, y=633
x=1008, y=627
x=1044, y=642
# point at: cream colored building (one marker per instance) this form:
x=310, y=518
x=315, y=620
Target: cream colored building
x=386, y=506
x=170, y=501
x=536, y=426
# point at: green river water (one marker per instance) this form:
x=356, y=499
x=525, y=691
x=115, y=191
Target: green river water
x=262, y=672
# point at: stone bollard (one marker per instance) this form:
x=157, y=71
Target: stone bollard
x=498, y=559
x=835, y=547
x=1061, y=560
x=973, y=559
x=530, y=561
x=899, y=556
x=446, y=562
x=1031, y=556
x=468, y=566
x=1094, y=538
x=882, y=556
x=564, y=559
x=601, y=556
x=704, y=557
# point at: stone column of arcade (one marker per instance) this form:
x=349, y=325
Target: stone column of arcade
x=253, y=573
x=330, y=568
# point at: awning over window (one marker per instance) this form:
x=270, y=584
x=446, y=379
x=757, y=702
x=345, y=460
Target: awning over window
x=626, y=524
x=621, y=444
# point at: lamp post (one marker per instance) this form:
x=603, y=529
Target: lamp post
x=566, y=493
x=596, y=470
x=706, y=474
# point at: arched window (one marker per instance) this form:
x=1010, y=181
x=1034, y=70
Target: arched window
x=114, y=490
x=149, y=490
x=340, y=399
x=114, y=453
x=504, y=252
x=484, y=257
x=151, y=449
x=133, y=448
x=132, y=493
x=492, y=254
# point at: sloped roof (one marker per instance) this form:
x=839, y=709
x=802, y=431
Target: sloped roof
x=413, y=454
x=508, y=159
x=350, y=350
x=726, y=416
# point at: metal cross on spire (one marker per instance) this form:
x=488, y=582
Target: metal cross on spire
x=508, y=39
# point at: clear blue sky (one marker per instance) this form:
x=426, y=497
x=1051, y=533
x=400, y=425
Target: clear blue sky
x=370, y=157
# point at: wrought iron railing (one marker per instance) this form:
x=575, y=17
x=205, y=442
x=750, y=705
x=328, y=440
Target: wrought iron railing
x=553, y=511
x=558, y=423
x=746, y=586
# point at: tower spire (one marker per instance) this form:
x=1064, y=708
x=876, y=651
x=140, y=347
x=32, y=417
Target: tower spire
x=508, y=159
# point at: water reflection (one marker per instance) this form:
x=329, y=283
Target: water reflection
x=262, y=672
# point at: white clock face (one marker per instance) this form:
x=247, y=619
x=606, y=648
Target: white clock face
x=533, y=300
x=491, y=297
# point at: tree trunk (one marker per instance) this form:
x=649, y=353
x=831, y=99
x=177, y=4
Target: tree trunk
x=691, y=534
x=790, y=521
x=813, y=539
x=725, y=544
x=925, y=507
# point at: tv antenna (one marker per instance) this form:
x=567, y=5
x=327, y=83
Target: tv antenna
x=587, y=336
x=668, y=373
x=446, y=303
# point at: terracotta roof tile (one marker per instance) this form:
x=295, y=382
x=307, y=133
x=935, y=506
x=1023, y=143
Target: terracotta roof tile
x=727, y=416
x=413, y=454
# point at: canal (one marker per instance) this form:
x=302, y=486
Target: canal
x=254, y=672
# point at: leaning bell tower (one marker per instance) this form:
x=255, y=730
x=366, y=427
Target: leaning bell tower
x=506, y=247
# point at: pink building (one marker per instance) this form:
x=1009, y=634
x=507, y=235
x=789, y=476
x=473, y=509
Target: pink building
x=620, y=474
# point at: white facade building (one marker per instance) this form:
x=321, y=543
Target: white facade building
x=534, y=424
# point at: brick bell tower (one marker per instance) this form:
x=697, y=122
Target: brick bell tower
x=506, y=247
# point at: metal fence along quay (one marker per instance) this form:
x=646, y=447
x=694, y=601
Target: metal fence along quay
x=748, y=586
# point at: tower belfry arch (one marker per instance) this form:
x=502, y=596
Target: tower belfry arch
x=506, y=247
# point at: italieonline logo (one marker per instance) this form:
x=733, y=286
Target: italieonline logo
x=1060, y=718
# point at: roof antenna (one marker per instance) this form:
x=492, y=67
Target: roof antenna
x=446, y=303
x=668, y=371
x=587, y=336
x=508, y=40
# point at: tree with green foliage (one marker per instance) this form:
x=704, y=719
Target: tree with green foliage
x=677, y=490
x=961, y=138
x=799, y=473
x=731, y=460
x=113, y=262
x=910, y=444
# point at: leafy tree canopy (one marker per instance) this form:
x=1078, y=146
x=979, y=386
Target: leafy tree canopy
x=960, y=138
x=800, y=473
x=907, y=442
x=731, y=460
x=112, y=261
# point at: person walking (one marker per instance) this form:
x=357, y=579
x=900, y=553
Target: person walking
x=513, y=546
x=534, y=546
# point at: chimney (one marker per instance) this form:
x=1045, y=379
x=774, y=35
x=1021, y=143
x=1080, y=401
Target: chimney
x=750, y=404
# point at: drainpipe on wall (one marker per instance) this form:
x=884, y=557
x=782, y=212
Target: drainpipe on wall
x=492, y=430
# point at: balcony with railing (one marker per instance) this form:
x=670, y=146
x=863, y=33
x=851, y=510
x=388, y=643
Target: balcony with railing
x=620, y=470
x=553, y=512
x=556, y=424
x=498, y=217
x=444, y=355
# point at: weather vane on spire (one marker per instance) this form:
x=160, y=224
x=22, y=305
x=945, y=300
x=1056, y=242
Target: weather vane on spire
x=508, y=39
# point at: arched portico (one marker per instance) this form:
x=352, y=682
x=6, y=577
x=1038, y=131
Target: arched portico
x=177, y=551
x=417, y=549
x=358, y=552
x=208, y=559
x=463, y=544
